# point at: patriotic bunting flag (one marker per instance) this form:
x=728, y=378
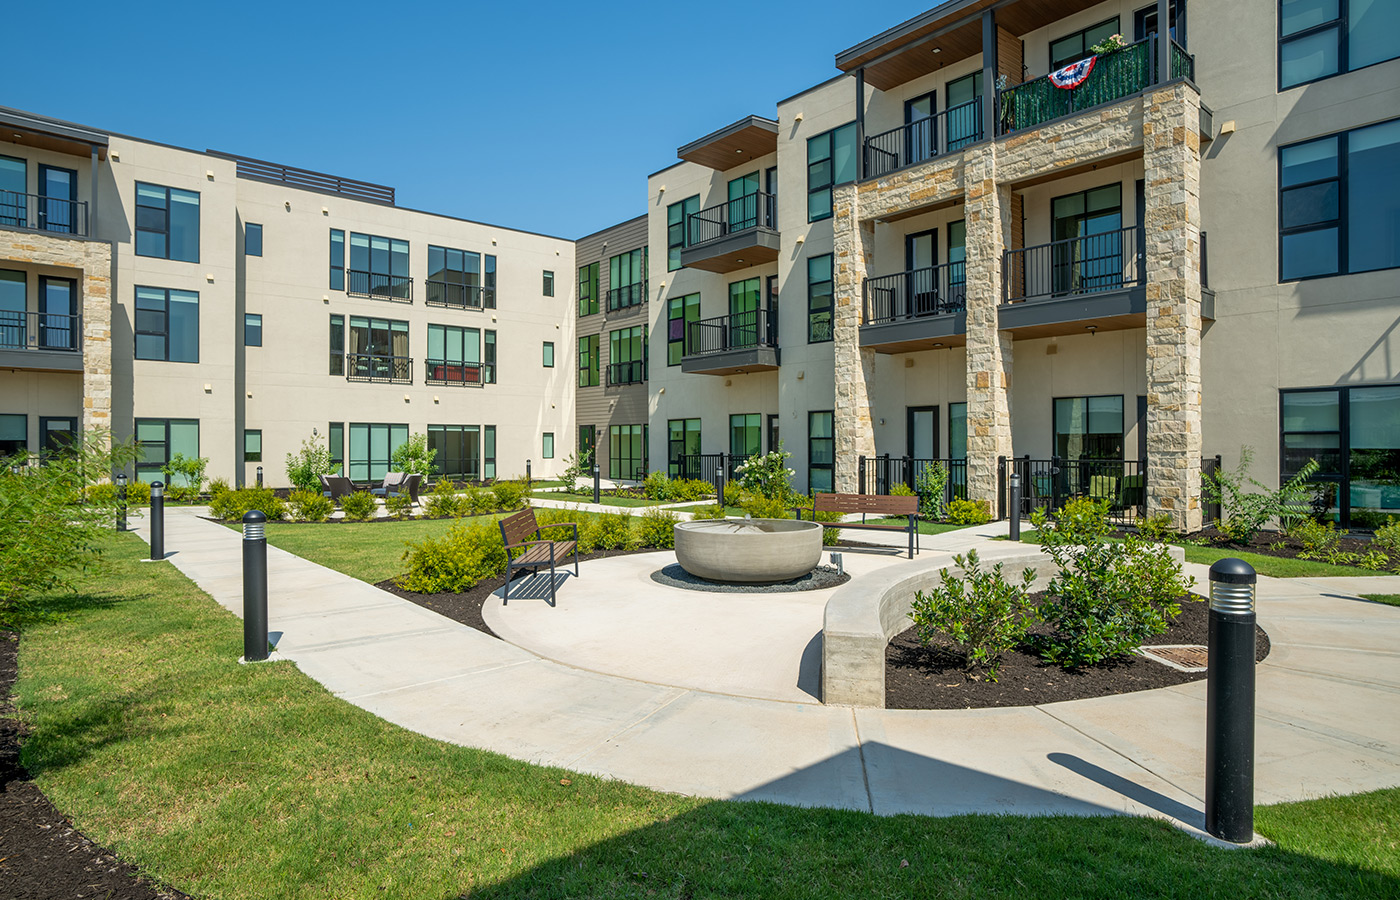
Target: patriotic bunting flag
x=1073, y=75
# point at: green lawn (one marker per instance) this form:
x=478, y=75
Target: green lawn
x=231, y=781
x=603, y=499
x=370, y=551
x=924, y=527
x=1391, y=599
x=1274, y=566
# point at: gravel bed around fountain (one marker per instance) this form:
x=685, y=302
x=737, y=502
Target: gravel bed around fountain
x=819, y=579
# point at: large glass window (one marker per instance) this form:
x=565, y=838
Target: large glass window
x=1088, y=252
x=379, y=267
x=161, y=439
x=371, y=448
x=682, y=439
x=1089, y=427
x=454, y=355
x=676, y=215
x=1321, y=38
x=337, y=345
x=1074, y=47
x=378, y=350
x=1326, y=227
x=831, y=160
x=1354, y=435
x=14, y=434
x=454, y=278
x=588, y=360
x=627, y=452
x=627, y=279
x=458, y=450
x=167, y=324
x=964, y=121
x=587, y=443
x=56, y=435
x=167, y=222
x=680, y=312
x=745, y=436
x=821, y=452
x=627, y=354
x=819, y=298
x=588, y=289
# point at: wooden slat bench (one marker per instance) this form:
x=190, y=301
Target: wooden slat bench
x=515, y=532
x=870, y=504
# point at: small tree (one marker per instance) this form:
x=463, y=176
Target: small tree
x=983, y=612
x=1245, y=513
x=184, y=475
x=577, y=465
x=931, y=484
x=413, y=456
x=306, y=466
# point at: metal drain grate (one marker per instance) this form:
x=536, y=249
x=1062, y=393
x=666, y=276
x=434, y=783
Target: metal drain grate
x=1186, y=657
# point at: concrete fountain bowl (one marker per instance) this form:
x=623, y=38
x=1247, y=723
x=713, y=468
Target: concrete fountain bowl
x=748, y=551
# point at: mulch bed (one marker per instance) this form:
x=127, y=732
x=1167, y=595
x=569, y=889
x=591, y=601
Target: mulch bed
x=931, y=677
x=42, y=857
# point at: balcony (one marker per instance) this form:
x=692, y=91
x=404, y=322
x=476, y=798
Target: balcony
x=1055, y=288
x=378, y=369
x=733, y=235
x=41, y=341
x=634, y=372
x=921, y=309
x=627, y=296
x=946, y=132
x=460, y=374
x=33, y=212
x=379, y=286
x=732, y=345
x=452, y=295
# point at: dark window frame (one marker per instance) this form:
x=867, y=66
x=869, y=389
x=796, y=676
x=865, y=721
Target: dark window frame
x=588, y=368
x=547, y=445
x=672, y=446
x=138, y=331
x=547, y=354
x=1122, y=422
x=248, y=232
x=831, y=185
x=258, y=325
x=830, y=308
x=334, y=446
x=636, y=436
x=137, y=228
x=157, y=468
x=370, y=462
x=548, y=286
x=337, y=257
x=1084, y=44
x=812, y=444
x=467, y=467
x=255, y=455
x=674, y=246
x=1342, y=24
x=1342, y=477
x=685, y=307
x=588, y=289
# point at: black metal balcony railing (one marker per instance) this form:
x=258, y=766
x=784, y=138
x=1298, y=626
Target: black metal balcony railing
x=740, y=331
x=1119, y=74
x=634, y=372
x=379, y=369
x=921, y=292
x=946, y=132
x=1082, y=265
x=730, y=217
x=452, y=294
x=627, y=295
x=35, y=213
x=378, y=285
x=878, y=474
x=1049, y=483
x=40, y=331
x=439, y=371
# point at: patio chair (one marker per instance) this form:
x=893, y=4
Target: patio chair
x=336, y=486
x=410, y=486
x=391, y=482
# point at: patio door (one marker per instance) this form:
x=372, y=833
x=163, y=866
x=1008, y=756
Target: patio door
x=743, y=202
x=1087, y=229
x=58, y=193
x=921, y=136
x=920, y=257
x=922, y=432
x=743, y=313
x=58, y=301
x=14, y=187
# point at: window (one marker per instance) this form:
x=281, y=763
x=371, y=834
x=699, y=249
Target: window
x=167, y=325
x=454, y=278
x=488, y=357
x=819, y=294
x=682, y=439
x=252, y=445
x=336, y=444
x=14, y=301
x=252, y=330
x=56, y=435
x=458, y=450
x=957, y=431
x=14, y=434
x=588, y=361
x=337, y=260
x=1321, y=38
x=14, y=187
x=680, y=312
x=454, y=355
x=1090, y=225
x=744, y=318
x=1074, y=47
x=821, y=452
x=627, y=282
x=488, y=449
x=676, y=215
x=252, y=240
x=337, y=345
x=1354, y=434
x=1325, y=228
x=167, y=222
x=548, y=445
x=161, y=439
x=1089, y=427
x=379, y=267
x=588, y=289
x=627, y=455
x=371, y=447
x=488, y=291
x=587, y=443
x=549, y=354
x=831, y=160
x=627, y=353
x=964, y=120
x=378, y=351
x=745, y=436
x=548, y=283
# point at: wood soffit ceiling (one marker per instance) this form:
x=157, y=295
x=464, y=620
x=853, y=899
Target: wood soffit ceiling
x=744, y=141
x=957, y=36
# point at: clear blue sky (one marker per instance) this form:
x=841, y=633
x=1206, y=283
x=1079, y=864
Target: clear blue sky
x=546, y=117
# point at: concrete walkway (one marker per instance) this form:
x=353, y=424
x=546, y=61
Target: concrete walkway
x=1326, y=703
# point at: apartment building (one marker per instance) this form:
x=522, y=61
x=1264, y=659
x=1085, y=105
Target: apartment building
x=942, y=253
x=613, y=351
x=214, y=305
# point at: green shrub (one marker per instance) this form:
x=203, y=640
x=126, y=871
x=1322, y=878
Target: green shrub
x=546, y=516
x=359, y=506
x=761, y=507
x=508, y=494
x=456, y=561
x=309, y=506
x=1079, y=521
x=1319, y=541
x=306, y=466
x=982, y=611
x=657, y=485
x=1157, y=529
x=138, y=493
x=414, y=456
x=969, y=512
x=232, y=505
x=766, y=474
x=1388, y=537
x=656, y=528
x=931, y=484
x=1244, y=514
x=181, y=494
x=218, y=486
x=103, y=494
x=400, y=506
x=185, y=472
x=611, y=531
x=902, y=490
x=733, y=493
x=478, y=501
x=708, y=512
x=683, y=489
x=444, y=501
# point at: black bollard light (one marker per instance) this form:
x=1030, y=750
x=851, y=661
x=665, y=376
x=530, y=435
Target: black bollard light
x=157, y=520
x=121, y=502
x=596, y=475
x=1230, y=702
x=528, y=479
x=259, y=476
x=254, y=586
x=1015, y=507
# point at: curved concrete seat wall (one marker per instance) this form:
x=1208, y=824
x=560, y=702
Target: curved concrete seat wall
x=863, y=614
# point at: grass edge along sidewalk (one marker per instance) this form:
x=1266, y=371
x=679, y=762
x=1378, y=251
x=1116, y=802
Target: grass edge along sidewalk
x=232, y=781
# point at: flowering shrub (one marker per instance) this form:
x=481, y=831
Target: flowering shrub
x=767, y=475
x=1109, y=44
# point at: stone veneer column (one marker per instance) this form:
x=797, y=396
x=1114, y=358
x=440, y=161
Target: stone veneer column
x=988, y=348
x=1172, y=169
x=97, y=337
x=853, y=242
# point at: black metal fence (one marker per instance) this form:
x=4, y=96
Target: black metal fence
x=35, y=212
x=919, y=292
x=627, y=295
x=739, y=214
x=40, y=331
x=634, y=372
x=947, y=131
x=376, y=368
x=878, y=474
x=438, y=371
x=452, y=295
x=1050, y=483
x=379, y=285
x=740, y=331
x=1081, y=265
x=711, y=467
